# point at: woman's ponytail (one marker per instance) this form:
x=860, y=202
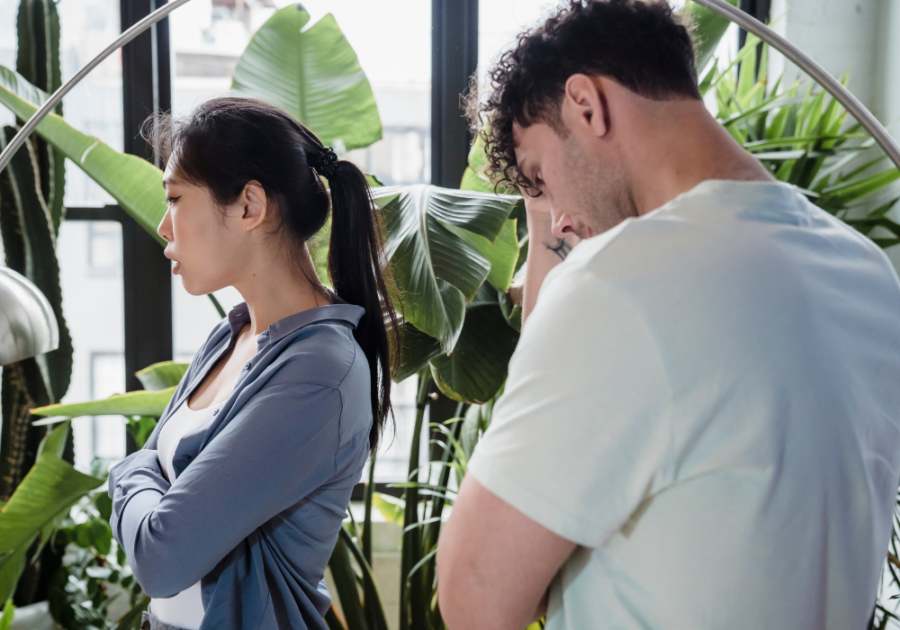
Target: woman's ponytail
x=355, y=259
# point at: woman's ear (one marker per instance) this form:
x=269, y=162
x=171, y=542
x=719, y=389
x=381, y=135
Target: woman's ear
x=585, y=106
x=254, y=205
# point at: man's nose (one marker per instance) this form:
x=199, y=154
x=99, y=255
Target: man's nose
x=562, y=224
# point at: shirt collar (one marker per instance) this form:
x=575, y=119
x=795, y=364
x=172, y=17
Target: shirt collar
x=340, y=310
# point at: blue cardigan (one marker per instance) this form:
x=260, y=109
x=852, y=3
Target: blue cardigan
x=261, y=489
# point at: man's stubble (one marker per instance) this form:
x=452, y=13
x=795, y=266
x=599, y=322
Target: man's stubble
x=600, y=192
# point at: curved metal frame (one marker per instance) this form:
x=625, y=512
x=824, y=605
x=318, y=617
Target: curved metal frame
x=748, y=23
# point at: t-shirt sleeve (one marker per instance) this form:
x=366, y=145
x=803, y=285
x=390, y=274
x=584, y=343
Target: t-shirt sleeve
x=582, y=432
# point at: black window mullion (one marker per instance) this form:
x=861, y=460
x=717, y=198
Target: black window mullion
x=146, y=272
x=454, y=58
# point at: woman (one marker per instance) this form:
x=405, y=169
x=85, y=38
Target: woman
x=229, y=513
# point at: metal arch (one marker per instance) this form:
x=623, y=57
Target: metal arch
x=58, y=95
x=838, y=91
x=745, y=21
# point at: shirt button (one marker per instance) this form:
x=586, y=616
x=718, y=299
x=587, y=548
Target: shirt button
x=187, y=458
x=247, y=367
x=266, y=333
x=215, y=412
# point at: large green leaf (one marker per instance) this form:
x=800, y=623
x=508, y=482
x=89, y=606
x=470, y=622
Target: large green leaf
x=8, y=615
x=477, y=367
x=709, y=27
x=139, y=403
x=49, y=489
x=502, y=254
x=314, y=74
x=416, y=349
x=134, y=183
x=162, y=375
x=437, y=271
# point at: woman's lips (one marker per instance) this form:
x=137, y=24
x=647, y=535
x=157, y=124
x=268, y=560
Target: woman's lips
x=176, y=267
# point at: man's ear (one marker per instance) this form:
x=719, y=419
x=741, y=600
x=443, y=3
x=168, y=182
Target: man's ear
x=585, y=106
x=254, y=205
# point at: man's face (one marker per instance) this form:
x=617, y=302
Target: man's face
x=585, y=191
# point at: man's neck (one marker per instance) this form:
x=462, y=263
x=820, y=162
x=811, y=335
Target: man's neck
x=683, y=154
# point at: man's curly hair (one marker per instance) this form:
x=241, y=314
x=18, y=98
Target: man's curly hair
x=639, y=43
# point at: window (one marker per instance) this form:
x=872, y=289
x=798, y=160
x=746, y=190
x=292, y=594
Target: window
x=107, y=378
x=94, y=106
x=93, y=306
x=104, y=247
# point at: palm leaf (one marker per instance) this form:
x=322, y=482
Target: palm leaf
x=314, y=74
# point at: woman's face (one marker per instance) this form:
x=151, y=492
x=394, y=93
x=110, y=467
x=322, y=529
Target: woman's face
x=207, y=247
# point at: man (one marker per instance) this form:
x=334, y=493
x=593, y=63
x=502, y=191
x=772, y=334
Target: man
x=701, y=426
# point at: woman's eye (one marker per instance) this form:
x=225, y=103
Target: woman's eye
x=171, y=200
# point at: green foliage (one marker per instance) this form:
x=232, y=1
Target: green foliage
x=31, y=193
x=477, y=366
x=162, y=375
x=803, y=137
x=9, y=612
x=319, y=79
x=137, y=403
x=33, y=511
x=134, y=183
x=81, y=590
x=438, y=268
x=708, y=29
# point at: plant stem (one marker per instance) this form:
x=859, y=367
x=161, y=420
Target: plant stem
x=411, y=606
x=217, y=305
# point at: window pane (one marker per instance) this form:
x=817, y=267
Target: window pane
x=89, y=254
x=94, y=106
x=500, y=21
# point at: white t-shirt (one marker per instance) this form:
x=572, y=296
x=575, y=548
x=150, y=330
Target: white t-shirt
x=186, y=608
x=707, y=400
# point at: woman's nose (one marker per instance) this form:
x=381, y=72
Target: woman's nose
x=164, y=228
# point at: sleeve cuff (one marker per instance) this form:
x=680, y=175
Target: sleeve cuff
x=127, y=481
x=534, y=506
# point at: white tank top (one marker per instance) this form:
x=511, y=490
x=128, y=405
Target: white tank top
x=186, y=608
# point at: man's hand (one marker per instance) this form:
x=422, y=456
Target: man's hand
x=494, y=563
x=545, y=250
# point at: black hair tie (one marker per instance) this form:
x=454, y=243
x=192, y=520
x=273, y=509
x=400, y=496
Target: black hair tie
x=326, y=162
